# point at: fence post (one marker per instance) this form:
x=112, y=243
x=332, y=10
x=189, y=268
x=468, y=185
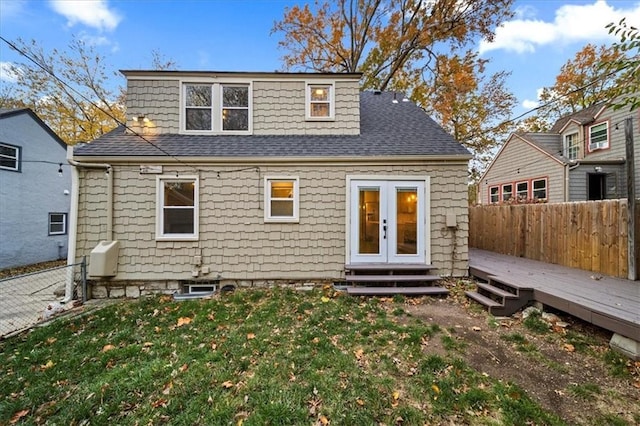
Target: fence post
x=83, y=273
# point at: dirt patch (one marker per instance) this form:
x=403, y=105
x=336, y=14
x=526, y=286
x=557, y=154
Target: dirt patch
x=563, y=369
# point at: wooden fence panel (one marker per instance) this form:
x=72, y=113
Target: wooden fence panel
x=587, y=235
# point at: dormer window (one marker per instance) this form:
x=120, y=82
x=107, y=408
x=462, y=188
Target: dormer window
x=599, y=136
x=571, y=146
x=216, y=108
x=320, y=101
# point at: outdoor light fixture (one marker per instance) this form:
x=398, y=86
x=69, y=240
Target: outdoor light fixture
x=598, y=169
x=140, y=119
x=60, y=170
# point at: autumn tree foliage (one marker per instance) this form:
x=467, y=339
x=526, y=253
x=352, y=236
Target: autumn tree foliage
x=70, y=90
x=414, y=46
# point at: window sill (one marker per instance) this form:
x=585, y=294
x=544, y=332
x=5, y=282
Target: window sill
x=320, y=119
x=282, y=220
x=177, y=238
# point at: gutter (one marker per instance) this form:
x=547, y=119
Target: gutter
x=75, y=201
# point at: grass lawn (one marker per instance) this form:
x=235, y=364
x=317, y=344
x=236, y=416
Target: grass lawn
x=258, y=357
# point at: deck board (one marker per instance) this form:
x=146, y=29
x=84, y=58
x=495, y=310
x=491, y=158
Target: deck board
x=611, y=303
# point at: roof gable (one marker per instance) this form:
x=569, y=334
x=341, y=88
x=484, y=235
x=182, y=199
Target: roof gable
x=7, y=113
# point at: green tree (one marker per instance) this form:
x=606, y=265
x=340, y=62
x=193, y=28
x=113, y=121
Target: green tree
x=627, y=63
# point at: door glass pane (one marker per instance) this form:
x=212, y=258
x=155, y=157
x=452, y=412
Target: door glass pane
x=369, y=231
x=407, y=221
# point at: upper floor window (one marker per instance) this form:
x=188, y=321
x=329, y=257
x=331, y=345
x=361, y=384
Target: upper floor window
x=320, y=101
x=57, y=223
x=282, y=199
x=177, y=208
x=9, y=157
x=494, y=194
x=599, y=136
x=571, y=146
x=540, y=189
x=217, y=107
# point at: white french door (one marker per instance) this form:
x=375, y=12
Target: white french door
x=387, y=223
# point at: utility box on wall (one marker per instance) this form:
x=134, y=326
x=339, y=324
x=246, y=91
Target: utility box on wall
x=103, y=261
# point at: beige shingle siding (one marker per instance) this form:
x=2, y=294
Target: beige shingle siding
x=234, y=240
x=278, y=108
x=519, y=161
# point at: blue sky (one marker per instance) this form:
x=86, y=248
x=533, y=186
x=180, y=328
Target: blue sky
x=236, y=35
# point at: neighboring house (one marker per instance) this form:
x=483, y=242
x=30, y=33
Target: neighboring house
x=581, y=158
x=261, y=178
x=34, y=199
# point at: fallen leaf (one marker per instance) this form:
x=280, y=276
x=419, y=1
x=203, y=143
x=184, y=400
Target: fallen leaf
x=395, y=395
x=147, y=344
x=360, y=402
x=323, y=420
x=569, y=347
x=183, y=321
x=435, y=388
x=476, y=328
x=250, y=336
x=183, y=368
x=316, y=340
x=47, y=366
x=17, y=416
x=159, y=403
x=107, y=348
x=228, y=384
x=51, y=340
x=167, y=388
x=324, y=299
x=358, y=353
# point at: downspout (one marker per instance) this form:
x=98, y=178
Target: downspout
x=75, y=201
x=567, y=168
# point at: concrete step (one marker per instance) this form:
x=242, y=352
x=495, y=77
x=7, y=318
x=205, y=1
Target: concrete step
x=390, y=278
x=391, y=291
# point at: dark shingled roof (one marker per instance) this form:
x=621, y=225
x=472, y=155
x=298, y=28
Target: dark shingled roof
x=583, y=116
x=386, y=129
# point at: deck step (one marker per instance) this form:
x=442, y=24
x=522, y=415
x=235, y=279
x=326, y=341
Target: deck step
x=365, y=267
x=390, y=291
x=483, y=300
x=390, y=278
x=497, y=291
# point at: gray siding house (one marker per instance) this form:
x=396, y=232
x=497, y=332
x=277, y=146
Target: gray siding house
x=34, y=199
x=581, y=158
x=262, y=178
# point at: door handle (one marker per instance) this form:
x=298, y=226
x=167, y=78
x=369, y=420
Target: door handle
x=384, y=229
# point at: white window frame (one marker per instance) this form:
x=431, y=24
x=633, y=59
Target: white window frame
x=160, y=208
x=268, y=217
x=497, y=195
x=15, y=157
x=309, y=87
x=216, y=106
x=571, y=151
x=602, y=144
x=503, y=192
x=533, y=189
x=63, y=222
x=525, y=192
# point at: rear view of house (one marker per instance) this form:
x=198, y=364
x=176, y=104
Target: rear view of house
x=581, y=158
x=34, y=190
x=262, y=178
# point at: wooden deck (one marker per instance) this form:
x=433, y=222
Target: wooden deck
x=610, y=303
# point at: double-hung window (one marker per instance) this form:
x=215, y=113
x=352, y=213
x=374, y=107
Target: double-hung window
x=522, y=191
x=571, y=146
x=494, y=194
x=599, y=136
x=540, y=189
x=217, y=108
x=9, y=157
x=57, y=223
x=282, y=199
x=320, y=101
x=507, y=192
x=177, y=208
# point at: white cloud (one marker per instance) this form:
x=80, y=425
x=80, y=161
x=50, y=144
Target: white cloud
x=572, y=23
x=7, y=72
x=529, y=104
x=92, y=13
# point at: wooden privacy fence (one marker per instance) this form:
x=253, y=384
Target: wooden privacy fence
x=589, y=235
